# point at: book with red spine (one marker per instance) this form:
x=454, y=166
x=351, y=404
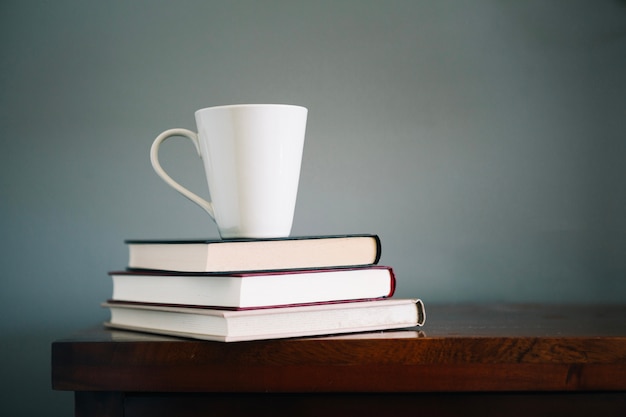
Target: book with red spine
x=255, y=289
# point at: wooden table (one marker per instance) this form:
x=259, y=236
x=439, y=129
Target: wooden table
x=528, y=360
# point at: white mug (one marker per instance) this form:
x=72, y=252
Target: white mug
x=252, y=155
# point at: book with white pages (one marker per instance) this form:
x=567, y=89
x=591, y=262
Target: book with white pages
x=254, y=289
x=270, y=323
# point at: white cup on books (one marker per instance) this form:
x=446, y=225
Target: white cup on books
x=252, y=155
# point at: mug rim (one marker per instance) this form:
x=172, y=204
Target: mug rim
x=244, y=105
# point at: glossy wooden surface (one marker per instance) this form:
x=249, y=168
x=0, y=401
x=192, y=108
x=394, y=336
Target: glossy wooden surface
x=468, y=350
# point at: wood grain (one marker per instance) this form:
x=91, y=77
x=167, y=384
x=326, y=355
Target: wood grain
x=461, y=349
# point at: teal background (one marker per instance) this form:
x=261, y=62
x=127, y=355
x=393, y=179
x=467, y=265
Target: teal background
x=484, y=141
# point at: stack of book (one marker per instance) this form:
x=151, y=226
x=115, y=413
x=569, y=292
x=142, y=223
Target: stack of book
x=249, y=289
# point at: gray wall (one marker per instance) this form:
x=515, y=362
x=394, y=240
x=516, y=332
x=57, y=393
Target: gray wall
x=484, y=141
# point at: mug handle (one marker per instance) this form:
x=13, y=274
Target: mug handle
x=154, y=158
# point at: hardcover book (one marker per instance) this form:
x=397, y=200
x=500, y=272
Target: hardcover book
x=254, y=289
x=272, y=323
x=254, y=254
